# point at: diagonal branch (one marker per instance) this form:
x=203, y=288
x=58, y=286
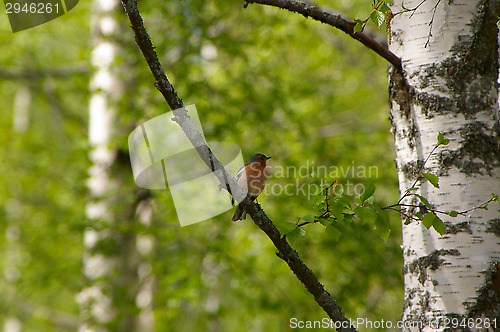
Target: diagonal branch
x=285, y=252
x=318, y=14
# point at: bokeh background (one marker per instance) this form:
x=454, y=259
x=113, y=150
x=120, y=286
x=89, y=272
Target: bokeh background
x=265, y=79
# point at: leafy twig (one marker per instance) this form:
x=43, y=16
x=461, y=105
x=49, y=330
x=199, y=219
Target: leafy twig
x=340, y=210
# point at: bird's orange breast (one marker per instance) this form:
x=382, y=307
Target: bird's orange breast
x=253, y=179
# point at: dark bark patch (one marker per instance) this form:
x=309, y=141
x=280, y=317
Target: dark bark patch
x=451, y=228
x=412, y=169
x=409, y=295
x=479, y=152
x=424, y=302
x=494, y=227
x=432, y=261
x=400, y=92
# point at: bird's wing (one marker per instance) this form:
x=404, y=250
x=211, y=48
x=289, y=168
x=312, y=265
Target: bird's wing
x=238, y=176
x=240, y=172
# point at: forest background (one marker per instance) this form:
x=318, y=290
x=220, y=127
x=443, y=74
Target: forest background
x=261, y=78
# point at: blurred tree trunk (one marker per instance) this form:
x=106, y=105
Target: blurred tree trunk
x=13, y=210
x=112, y=262
x=449, y=51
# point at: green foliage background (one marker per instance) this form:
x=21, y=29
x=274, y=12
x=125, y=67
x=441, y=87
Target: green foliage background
x=280, y=84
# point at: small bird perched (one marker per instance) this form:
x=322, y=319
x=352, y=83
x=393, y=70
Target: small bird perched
x=252, y=178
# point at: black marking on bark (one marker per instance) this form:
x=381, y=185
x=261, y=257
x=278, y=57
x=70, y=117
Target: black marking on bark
x=410, y=252
x=479, y=151
x=423, y=305
x=432, y=261
x=432, y=104
x=451, y=228
x=494, y=227
x=410, y=295
x=402, y=94
x=412, y=169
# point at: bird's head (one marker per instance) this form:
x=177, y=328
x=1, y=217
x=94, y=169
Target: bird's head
x=259, y=159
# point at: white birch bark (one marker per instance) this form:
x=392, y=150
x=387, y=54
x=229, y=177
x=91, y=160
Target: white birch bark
x=449, y=53
x=96, y=300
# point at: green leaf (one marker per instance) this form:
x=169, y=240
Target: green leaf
x=384, y=8
x=326, y=221
x=285, y=227
x=424, y=200
x=377, y=17
x=382, y=228
x=341, y=201
x=308, y=218
x=428, y=219
x=418, y=215
x=369, y=190
x=438, y=225
x=411, y=189
x=347, y=212
x=441, y=140
x=296, y=236
x=453, y=213
x=337, y=211
x=368, y=201
x=359, y=26
x=432, y=179
x=494, y=198
x=366, y=214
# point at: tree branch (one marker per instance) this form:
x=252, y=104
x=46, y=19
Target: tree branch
x=289, y=255
x=318, y=14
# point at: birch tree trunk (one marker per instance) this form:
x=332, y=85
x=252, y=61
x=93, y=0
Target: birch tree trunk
x=449, y=51
x=111, y=262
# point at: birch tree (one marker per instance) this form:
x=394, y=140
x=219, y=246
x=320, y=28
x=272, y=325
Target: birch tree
x=111, y=263
x=448, y=84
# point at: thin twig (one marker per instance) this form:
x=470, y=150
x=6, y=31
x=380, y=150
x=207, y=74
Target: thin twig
x=407, y=191
x=414, y=9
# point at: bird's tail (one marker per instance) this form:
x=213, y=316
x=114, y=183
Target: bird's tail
x=239, y=214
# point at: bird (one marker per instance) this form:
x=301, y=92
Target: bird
x=252, y=178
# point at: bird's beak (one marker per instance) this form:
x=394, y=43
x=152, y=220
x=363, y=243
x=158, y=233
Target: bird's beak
x=268, y=158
